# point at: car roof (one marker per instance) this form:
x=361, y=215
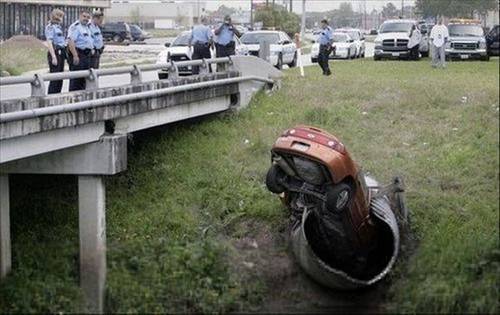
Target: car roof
x=400, y=20
x=264, y=32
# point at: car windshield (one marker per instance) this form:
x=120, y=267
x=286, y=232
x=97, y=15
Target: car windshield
x=340, y=38
x=465, y=30
x=182, y=40
x=398, y=27
x=255, y=38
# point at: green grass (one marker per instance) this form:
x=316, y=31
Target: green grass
x=174, y=217
x=163, y=33
x=19, y=56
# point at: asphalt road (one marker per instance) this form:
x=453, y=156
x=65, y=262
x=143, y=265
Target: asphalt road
x=24, y=90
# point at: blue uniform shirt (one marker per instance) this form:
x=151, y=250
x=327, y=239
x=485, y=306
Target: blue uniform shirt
x=225, y=35
x=54, y=33
x=201, y=34
x=96, y=36
x=81, y=35
x=325, y=36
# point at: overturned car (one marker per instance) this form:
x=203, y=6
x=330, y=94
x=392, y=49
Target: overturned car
x=344, y=227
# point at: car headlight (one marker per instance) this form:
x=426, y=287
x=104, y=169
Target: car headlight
x=447, y=45
x=482, y=45
x=377, y=41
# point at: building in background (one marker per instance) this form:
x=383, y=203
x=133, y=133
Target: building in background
x=162, y=14
x=29, y=17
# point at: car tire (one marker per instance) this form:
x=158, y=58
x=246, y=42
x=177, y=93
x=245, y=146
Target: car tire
x=162, y=76
x=293, y=64
x=349, y=54
x=338, y=197
x=314, y=60
x=279, y=66
x=485, y=58
x=273, y=177
x=425, y=54
x=117, y=38
x=376, y=58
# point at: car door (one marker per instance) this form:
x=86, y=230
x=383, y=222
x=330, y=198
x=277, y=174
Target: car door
x=288, y=48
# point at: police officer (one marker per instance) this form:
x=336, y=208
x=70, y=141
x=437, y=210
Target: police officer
x=56, y=44
x=95, y=29
x=201, y=40
x=81, y=48
x=224, y=44
x=325, y=47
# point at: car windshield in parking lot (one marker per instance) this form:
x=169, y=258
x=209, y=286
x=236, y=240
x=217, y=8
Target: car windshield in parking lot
x=182, y=40
x=255, y=38
x=465, y=30
x=399, y=27
x=340, y=38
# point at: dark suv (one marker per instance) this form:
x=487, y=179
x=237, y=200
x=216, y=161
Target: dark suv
x=493, y=41
x=117, y=32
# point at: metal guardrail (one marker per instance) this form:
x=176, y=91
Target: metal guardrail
x=57, y=109
x=92, y=76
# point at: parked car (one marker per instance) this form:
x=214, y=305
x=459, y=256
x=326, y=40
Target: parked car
x=179, y=50
x=345, y=47
x=283, y=49
x=392, y=40
x=138, y=34
x=117, y=32
x=359, y=40
x=493, y=41
x=467, y=40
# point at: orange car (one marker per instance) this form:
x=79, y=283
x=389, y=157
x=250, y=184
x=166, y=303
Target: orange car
x=342, y=221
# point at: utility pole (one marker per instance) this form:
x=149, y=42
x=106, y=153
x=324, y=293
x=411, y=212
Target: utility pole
x=303, y=26
x=251, y=14
x=403, y=8
x=291, y=6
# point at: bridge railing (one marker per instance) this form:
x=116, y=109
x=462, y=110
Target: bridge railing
x=92, y=76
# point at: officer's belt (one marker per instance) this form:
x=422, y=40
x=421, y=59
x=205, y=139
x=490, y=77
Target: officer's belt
x=86, y=51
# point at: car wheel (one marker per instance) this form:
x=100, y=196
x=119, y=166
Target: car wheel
x=338, y=197
x=294, y=61
x=279, y=66
x=425, y=54
x=117, y=38
x=485, y=58
x=376, y=58
x=273, y=179
x=162, y=76
x=349, y=54
x=314, y=60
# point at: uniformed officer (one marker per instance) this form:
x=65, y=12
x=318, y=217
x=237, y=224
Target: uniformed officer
x=325, y=47
x=81, y=48
x=224, y=44
x=56, y=44
x=95, y=29
x=201, y=40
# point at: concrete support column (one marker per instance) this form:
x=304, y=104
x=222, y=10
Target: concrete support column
x=5, y=251
x=91, y=203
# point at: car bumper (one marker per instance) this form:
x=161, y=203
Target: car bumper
x=466, y=54
x=339, y=54
x=391, y=54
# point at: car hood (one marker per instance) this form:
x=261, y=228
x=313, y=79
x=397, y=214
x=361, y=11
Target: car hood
x=255, y=47
x=474, y=39
x=342, y=45
x=397, y=35
x=178, y=50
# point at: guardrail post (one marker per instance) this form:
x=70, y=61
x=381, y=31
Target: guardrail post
x=135, y=75
x=173, y=71
x=92, y=81
x=205, y=67
x=38, y=86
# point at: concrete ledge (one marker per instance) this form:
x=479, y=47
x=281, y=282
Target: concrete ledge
x=107, y=156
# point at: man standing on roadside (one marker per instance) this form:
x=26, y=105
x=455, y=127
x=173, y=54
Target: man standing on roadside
x=325, y=47
x=439, y=36
x=81, y=48
x=224, y=44
x=200, y=40
x=95, y=29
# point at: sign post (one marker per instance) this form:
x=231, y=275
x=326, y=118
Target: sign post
x=299, y=54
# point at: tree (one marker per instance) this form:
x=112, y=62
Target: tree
x=279, y=18
x=135, y=15
x=390, y=10
x=344, y=16
x=455, y=8
x=223, y=11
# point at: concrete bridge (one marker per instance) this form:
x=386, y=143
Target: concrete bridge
x=84, y=133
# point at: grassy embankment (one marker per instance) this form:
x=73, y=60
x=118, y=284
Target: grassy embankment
x=177, y=217
x=22, y=53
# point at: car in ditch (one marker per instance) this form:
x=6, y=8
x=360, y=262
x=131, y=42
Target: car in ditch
x=179, y=50
x=344, y=226
x=358, y=38
x=345, y=48
x=283, y=50
x=392, y=39
x=138, y=34
x=467, y=40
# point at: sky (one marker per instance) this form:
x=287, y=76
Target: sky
x=311, y=5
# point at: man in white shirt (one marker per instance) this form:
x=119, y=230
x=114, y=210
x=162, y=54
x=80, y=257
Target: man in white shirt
x=439, y=37
x=414, y=42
